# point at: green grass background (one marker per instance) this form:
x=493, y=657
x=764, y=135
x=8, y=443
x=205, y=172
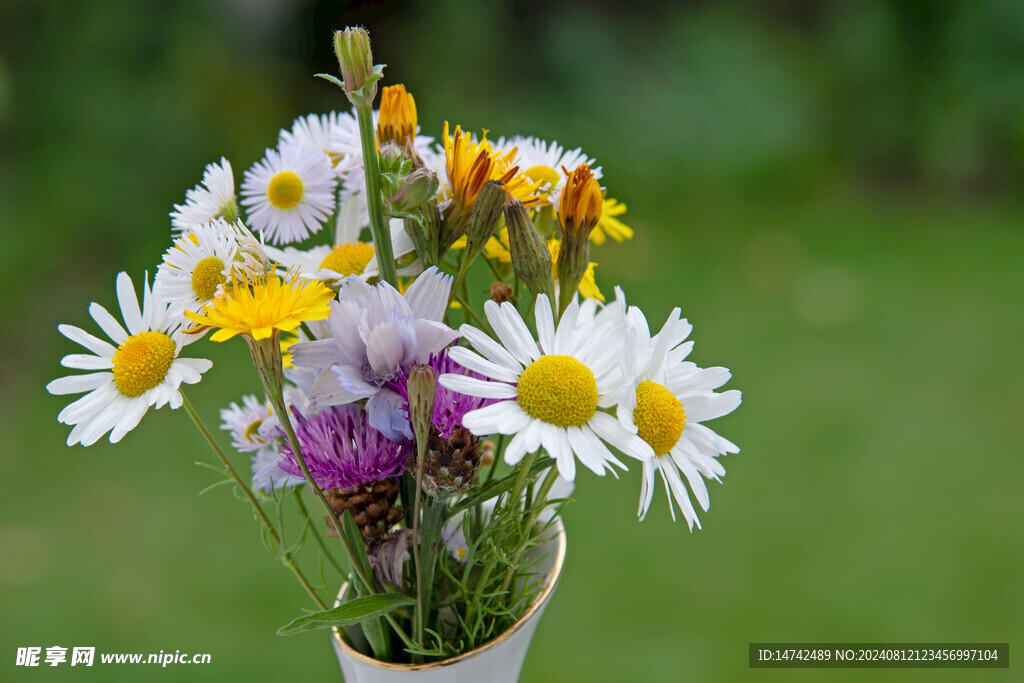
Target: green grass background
x=830, y=191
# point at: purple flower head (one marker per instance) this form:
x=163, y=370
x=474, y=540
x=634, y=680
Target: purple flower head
x=342, y=450
x=376, y=336
x=449, y=406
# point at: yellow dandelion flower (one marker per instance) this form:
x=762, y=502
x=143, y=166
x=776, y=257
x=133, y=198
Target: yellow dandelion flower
x=471, y=164
x=263, y=306
x=609, y=225
x=579, y=208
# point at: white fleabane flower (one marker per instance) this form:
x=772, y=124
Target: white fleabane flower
x=289, y=193
x=377, y=333
x=213, y=198
x=267, y=475
x=143, y=370
x=196, y=267
x=314, y=131
x=349, y=255
x=244, y=422
x=549, y=394
x=547, y=161
x=666, y=399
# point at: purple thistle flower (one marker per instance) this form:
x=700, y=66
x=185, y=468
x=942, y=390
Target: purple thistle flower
x=342, y=450
x=449, y=406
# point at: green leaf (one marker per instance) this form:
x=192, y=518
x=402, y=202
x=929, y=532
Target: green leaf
x=498, y=486
x=373, y=629
x=223, y=482
x=352, y=612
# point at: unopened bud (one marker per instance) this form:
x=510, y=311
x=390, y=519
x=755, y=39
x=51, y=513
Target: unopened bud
x=419, y=187
x=397, y=120
x=422, y=389
x=579, y=209
x=487, y=211
x=392, y=158
x=500, y=292
x=487, y=449
x=531, y=259
x=355, y=58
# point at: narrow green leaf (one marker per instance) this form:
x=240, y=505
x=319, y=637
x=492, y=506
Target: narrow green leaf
x=352, y=612
x=373, y=629
x=223, y=482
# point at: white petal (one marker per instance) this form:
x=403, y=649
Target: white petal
x=474, y=362
x=129, y=303
x=511, y=335
x=556, y=443
x=384, y=350
x=505, y=417
x=708, y=406
x=545, y=321
x=77, y=384
x=129, y=420
x=490, y=349
x=431, y=337
x=107, y=323
x=612, y=431
x=476, y=387
x=80, y=336
x=428, y=295
x=84, y=361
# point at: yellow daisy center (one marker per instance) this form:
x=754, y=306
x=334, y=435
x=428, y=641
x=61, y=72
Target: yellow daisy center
x=558, y=390
x=659, y=417
x=285, y=190
x=207, y=276
x=252, y=430
x=142, y=362
x=545, y=174
x=349, y=259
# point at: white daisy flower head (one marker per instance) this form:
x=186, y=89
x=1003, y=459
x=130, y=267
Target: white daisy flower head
x=666, y=399
x=550, y=393
x=350, y=255
x=213, y=198
x=244, y=423
x=267, y=475
x=547, y=161
x=142, y=370
x=196, y=267
x=314, y=130
x=289, y=193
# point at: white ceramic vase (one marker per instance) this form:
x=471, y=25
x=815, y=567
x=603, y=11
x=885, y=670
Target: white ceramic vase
x=498, y=661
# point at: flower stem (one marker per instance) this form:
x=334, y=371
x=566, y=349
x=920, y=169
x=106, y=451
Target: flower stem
x=285, y=556
x=316, y=534
x=378, y=225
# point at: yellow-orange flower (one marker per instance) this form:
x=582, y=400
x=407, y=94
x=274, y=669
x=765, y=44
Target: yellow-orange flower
x=588, y=283
x=397, y=122
x=471, y=164
x=609, y=225
x=580, y=207
x=263, y=306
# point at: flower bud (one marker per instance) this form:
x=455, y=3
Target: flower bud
x=419, y=187
x=422, y=389
x=486, y=213
x=531, y=259
x=578, y=212
x=397, y=120
x=352, y=48
x=500, y=292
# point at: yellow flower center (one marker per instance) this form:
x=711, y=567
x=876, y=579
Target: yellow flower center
x=285, y=190
x=545, y=174
x=558, y=390
x=207, y=276
x=659, y=417
x=252, y=431
x=142, y=362
x=349, y=259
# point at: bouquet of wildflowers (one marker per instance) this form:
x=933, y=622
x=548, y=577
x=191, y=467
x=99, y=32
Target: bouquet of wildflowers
x=427, y=459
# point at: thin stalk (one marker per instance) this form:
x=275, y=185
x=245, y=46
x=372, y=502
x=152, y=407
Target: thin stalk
x=378, y=225
x=531, y=519
x=419, y=616
x=285, y=557
x=479, y=322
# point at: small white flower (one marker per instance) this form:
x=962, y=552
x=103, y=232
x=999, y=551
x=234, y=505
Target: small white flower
x=142, y=371
x=244, y=423
x=267, y=474
x=213, y=198
x=349, y=255
x=314, y=131
x=666, y=399
x=196, y=267
x=549, y=393
x=289, y=193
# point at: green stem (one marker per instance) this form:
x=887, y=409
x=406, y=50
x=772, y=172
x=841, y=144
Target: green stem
x=378, y=224
x=531, y=519
x=482, y=324
x=286, y=557
x=420, y=614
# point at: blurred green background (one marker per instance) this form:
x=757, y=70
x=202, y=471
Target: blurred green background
x=829, y=190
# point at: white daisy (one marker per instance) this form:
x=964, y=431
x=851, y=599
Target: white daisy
x=214, y=197
x=666, y=399
x=551, y=393
x=548, y=161
x=314, y=131
x=349, y=255
x=196, y=267
x=243, y=422
x=289, y=193
x=143, y=370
